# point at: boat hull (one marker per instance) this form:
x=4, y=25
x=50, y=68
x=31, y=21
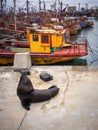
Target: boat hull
x=64, y=54
x=47, y=61
x=36, y=61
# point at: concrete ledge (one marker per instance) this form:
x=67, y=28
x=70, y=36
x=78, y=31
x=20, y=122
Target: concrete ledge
x=74, y=108
x=22, y=60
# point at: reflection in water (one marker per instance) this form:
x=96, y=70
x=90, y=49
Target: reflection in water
x=92, y=36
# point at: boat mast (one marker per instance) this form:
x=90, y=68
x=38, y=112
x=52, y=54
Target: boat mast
x=39, y=5
x=44, y=6
x=79, y=7
x=1, y=6
x=59, y=10
x=86, y=7
x=27, y=4
x=15, y=20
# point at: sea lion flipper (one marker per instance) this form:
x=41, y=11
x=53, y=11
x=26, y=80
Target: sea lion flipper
x=54, y=86
x=53, y=91
x=26, y=105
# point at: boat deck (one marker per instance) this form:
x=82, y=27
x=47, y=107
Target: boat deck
x=75, y=50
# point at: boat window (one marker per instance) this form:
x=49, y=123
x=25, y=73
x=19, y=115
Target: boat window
x=44, y=39
x=35, y=37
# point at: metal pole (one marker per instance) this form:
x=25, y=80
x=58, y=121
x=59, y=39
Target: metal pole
x=79, y=7
x=27, y=11
x=1, y=6
x=15, y=20
x=39, y=5
x=44, y=6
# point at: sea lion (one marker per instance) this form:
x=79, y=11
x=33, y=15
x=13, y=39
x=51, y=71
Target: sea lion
x=28, y=95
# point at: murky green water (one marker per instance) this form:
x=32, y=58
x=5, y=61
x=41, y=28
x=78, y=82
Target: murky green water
x=92, y=36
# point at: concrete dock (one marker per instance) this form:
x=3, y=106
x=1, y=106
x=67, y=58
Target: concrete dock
x=74, y=108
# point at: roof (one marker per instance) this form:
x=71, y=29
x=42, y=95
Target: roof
x=49, y=31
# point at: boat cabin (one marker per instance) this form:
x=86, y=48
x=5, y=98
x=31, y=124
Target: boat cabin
x=45, y=40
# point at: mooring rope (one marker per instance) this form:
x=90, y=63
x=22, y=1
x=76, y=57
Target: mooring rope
x=93, y=55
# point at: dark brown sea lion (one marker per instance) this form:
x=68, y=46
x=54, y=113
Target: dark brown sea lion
x=28, y=94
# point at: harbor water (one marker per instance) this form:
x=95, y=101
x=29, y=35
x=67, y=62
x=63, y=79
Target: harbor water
x=92, y=36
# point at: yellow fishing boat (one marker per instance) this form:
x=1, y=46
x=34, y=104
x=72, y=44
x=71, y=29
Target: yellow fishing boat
x=47, y=46
x=73, y=24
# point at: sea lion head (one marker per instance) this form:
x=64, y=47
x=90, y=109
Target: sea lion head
x=25, y=86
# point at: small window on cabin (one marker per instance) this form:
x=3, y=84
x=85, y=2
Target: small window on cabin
x=35, y=37
x=44, y=39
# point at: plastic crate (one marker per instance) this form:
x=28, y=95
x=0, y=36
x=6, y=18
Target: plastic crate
x=46, y=77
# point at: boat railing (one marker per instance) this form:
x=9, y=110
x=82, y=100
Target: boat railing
x=79, y=45
x=76, y=40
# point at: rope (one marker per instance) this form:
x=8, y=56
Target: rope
x=93, y=55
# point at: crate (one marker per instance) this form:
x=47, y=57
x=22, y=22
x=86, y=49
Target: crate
x=46, y=77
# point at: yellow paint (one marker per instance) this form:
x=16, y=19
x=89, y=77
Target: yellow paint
x=5, y=61
x=37, y=46
x=53, y=39
x=38, y=60
x=47, y=60
x=57, y=40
